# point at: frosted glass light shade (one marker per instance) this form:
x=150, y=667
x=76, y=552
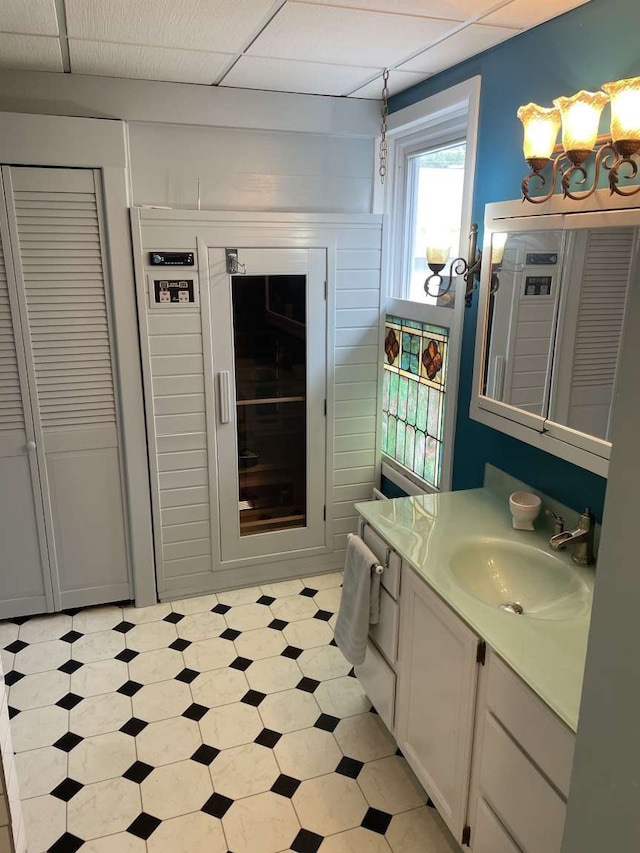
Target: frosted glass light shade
x=581, y=119
x=498, y=242
x=625, y=109
x=541, y=126
x=438, y=250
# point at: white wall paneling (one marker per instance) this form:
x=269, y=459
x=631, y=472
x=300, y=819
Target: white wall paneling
x=175, y=358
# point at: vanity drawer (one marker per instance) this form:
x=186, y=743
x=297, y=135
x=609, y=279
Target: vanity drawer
x=385, y=632
x=379, y=683
x=391, y=576
x=489, y=836
x=524, y=802
x=531, y=723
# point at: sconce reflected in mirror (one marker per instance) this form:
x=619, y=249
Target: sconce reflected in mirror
x=438, y=253
x=498, y=242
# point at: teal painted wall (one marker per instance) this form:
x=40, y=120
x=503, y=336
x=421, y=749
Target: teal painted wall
x=589, y=46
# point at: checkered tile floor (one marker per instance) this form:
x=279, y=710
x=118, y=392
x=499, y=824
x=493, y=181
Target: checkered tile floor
x=228, y=722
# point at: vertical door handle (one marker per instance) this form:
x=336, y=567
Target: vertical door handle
x=30, y=445
x=224, y=396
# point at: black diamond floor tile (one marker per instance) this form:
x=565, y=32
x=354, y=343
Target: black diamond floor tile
x=138, y=772
x=69, y=701
x=124, y=627
x=333, y=643
x=130, y=688
x=68, y=741
x=307, y=842
x=205, y=754
x=230, y=634
x=187, y=675
x=326, y=722
x=253, y=697
x=16, y=646
x=265, y=599
x=399, y=752
x=285, y=786
x=72, y=611
x=180, y=645
x=241, y=663
x=13, y=712
x=307, y=684
x=70, y=666
x=308, y=592
x=67, y=843
x=430, y=803
x=71, y=636
x=127, y=655
x=195, y=712
x=323, y=614
x=144, y=826
x=376, y=821
x=221, y=608
x=133, y=727
x=173, y=618
x=349, y=767
x=67, y=789
x=268, y=737
x=12, y=677
x=217, y=805
x=20, y=620
x=352, y=673
x=291, y=652
x=277, y=624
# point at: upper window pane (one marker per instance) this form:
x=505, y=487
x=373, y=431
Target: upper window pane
x=434, y=210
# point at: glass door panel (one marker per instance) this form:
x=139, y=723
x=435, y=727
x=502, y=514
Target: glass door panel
x=269, y=332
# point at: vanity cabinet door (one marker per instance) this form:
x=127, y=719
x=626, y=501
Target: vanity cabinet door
x=436, y=697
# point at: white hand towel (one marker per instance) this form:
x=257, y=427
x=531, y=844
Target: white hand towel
x=360, y=602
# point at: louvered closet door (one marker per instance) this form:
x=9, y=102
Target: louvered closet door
x=25, y=585
x=54, y=217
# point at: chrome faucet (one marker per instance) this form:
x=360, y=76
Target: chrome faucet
x=581, y=538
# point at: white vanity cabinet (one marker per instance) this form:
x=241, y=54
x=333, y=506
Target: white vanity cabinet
x=437, y=678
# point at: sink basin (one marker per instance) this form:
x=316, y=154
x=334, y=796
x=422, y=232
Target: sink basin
x=519, y=579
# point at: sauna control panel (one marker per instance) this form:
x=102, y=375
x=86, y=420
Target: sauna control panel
x=168, y=284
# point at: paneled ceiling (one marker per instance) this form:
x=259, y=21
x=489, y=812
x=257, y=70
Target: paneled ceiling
x=321, y=47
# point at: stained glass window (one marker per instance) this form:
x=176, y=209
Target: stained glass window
x=413, y=396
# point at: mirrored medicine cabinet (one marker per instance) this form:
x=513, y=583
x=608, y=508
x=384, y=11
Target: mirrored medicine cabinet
x=551, y=316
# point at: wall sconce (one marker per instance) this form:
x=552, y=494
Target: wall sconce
x=498, y=243
x=438, y=251
x=579, y=117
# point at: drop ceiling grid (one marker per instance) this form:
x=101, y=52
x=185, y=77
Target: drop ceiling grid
x=331, y=47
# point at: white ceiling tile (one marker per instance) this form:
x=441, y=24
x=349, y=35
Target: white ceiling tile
x=223, y=26
x=285, y=75
x=30, y=53
x=452, y=10
x=468, y=42
x=29, y=16
x=525, y=13
x=398, y=81
x=146, y=63
x=338, y=36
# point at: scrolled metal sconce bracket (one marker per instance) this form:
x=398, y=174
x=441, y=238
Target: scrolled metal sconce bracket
x=468, y=269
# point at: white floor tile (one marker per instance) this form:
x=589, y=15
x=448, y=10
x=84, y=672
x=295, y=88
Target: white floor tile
x=39, y=727
x=168, y=741
x=273, y=674
x=42, y=628
x=307, y=753
x=265, y=823
x=36, y=691
x=324, y=581
x=41, y=657
x=188, y=833
x=289, y=711
x=161, y=700
x=156, y=665
x=248, y=595
x=294, y=607
x=101, y=645
x=201, y=626
x=358, y=840
x=121, y=842
x=219, y=687
x=103, y=676
x=40, y=770
x=230, y=725
x=97, y=619
x=323, y=663
x=153, y=635
x=422, y=829
x=176, y=789
x=210, y=654
x=260, y=643
x=330, y=804
x=197, y=604
x=102, y=757
x=342, y=697
x=249, y=616
x=103, y=808
x=8, y=633
x=98, y=715
x=329, y=599
x=282, y=588
x=142, y=615
x=390, y=786
x=244, y=771
x=364, y=738
x=308, y=633
x=44, y=820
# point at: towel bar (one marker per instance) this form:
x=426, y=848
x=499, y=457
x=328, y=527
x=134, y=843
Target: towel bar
x=379, y=569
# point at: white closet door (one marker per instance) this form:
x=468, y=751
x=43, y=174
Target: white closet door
x=55, y=223
x=25, y=585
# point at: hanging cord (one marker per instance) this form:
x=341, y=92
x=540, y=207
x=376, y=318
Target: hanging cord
x=384, y=112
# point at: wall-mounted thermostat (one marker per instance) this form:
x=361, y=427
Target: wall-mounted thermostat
x=171, y=259
x=172, y=292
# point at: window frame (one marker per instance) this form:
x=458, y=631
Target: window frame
x=442, y=119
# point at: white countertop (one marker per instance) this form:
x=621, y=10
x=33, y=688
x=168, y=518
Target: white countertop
x=548, y=654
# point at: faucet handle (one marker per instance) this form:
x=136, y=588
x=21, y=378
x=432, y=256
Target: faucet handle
x=558, y=521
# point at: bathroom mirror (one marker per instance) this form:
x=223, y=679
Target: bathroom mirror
x=550, y=323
